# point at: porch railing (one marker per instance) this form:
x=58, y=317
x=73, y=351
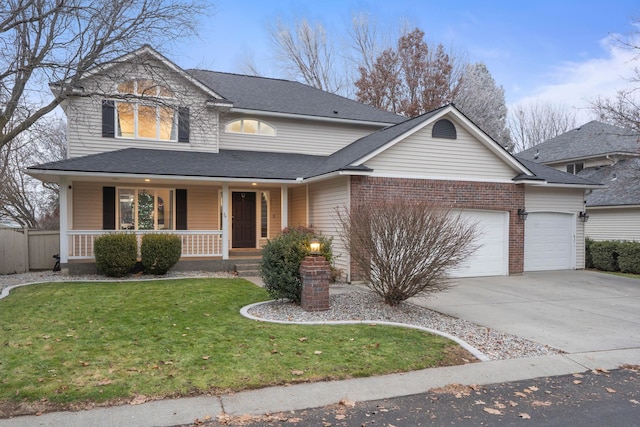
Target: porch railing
x=195, y=243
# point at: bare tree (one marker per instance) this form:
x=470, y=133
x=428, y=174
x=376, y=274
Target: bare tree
x=23, y=199
x=480, y=99
x=624, y=109
x=537, y=122
x=308, y=54
x=405, y=248
x=411, y=79
x=47, y=41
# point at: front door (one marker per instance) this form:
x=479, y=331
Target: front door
x=243, y=220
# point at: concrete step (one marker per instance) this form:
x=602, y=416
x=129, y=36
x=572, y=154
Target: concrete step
x=248, y=269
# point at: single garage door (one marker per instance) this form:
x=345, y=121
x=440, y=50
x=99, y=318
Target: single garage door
x=548, y=241
x=492, y=257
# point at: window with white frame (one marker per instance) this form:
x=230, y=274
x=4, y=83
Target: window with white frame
x=250, y=126
x=146, y=209
x=574, y=168
x=139, y=118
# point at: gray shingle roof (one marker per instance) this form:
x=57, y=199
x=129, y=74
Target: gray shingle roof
x=622, y=179
x=225, y=164
x=289, y=97
x=553, y=176
x=589, y=140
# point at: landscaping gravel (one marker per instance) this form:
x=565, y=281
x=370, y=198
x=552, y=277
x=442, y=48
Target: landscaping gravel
x=363, y=305
x=355, y=303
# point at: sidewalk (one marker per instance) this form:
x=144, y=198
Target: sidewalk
x=311, y=395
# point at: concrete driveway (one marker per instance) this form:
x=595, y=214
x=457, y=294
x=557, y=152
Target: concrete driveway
x=574, y=311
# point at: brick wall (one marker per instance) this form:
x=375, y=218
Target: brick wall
x=455, y=195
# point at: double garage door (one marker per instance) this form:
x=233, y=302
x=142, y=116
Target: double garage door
x=548, y=244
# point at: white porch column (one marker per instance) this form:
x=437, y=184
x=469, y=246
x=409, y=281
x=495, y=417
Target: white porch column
x=225, y=220
x=66, y=221
x=284, y=206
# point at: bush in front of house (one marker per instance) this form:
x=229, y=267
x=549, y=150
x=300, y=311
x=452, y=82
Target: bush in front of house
x=159, y=252
x=116, y=254
x=588, y=260
x=629, y=257
x=604, y=255
x=281, y=258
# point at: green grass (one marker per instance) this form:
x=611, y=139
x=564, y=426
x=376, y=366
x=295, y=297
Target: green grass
x=75, y=342
x=629, y=275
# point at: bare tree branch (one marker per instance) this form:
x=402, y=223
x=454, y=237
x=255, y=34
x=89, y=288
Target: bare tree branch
x=537, y=122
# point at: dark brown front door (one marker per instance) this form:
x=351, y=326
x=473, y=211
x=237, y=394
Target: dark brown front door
x=243, y=221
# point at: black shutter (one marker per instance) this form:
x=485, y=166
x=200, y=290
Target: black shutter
x=108, y=208
x=181, y=209
x=183, y=124
x=108, y=118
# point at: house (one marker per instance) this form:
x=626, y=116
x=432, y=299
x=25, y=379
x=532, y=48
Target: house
x=606, y=154
x=227, y=161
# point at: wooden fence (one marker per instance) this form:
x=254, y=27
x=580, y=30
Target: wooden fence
x=23, y=250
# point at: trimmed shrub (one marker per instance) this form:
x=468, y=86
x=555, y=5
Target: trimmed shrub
x=588, y=260
x=159, y=252
x=629, y=257
x=281, y=258
x=115, y=254
x=605, y=255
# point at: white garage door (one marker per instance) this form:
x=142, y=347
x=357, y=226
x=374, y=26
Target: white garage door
x=492, y=257
x=548, y=241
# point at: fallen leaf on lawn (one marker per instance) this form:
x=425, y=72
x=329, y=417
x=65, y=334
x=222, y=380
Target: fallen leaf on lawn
x=347, y=403
x=577, y=382
x=302, y=339
x=540, y=403
x=521, y=394
x=46, y=337
x=205, y=357
x=317, y=352
x=297, y=372
x=610, y=390
x=206, y=314
x=83, y=363
x=274, y=351
x=492, y=411
x=524, y=416
x=105, y=381
x=138, y=400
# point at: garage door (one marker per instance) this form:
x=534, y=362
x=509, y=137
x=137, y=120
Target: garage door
x=492, y=257
x=548, y=241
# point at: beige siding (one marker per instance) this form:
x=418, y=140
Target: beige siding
x=324, y=198
x=613, y=224
x=421, y=156
x=87, y=205
x=202, y=208
x=566, y=200
x=298, y=136
x=84, y=114
x=298, y=206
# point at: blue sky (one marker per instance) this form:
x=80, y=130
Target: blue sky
x=559, y=51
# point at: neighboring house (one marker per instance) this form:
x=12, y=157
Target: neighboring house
x=227, y=161
x=606, y=154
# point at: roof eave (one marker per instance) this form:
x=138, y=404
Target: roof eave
x=308, y=117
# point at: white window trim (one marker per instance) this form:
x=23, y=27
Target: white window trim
x=242, y=132
x=136, y=135
x=135, y=207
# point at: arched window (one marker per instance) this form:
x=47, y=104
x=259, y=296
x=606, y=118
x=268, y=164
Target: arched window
x=250, y=126
x=444, y=129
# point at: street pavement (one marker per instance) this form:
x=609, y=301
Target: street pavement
x=593, y=317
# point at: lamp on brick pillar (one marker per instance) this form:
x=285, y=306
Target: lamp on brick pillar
x=315, y=272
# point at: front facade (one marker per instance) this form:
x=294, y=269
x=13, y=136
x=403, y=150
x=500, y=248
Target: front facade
x=228, y=161
x=608, y=155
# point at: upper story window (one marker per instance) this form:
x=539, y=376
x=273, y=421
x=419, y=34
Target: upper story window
x=575, y=168
x=250, y=126
x=138, y=118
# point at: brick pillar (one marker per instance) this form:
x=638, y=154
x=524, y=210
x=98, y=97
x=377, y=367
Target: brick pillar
x=315, y=272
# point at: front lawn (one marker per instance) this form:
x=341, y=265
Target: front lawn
x=96, y=342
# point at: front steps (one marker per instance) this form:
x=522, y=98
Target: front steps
x=246, y=261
